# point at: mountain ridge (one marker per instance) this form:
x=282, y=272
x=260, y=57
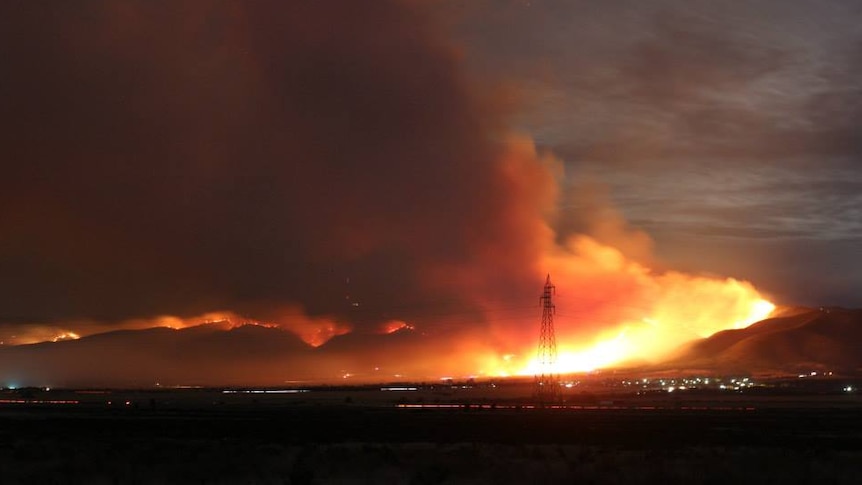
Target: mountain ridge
x=807, y=339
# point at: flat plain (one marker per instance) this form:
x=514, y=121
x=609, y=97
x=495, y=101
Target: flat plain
x=370, y=435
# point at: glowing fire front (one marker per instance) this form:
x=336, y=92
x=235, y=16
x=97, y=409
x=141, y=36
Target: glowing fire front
x=393, y=326
x=66, y=336
x=635, y=342
x=612, y=311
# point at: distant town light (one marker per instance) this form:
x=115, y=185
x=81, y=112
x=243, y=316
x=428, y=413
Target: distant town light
x=264, y=391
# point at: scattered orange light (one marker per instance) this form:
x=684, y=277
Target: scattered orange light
x=393, y=326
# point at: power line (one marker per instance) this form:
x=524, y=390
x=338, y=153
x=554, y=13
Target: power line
x=547, y=382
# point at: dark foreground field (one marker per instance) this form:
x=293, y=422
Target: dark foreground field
x=348, y=443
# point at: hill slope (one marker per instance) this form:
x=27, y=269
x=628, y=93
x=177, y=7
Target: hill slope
x=801, y=340
x=200, y=355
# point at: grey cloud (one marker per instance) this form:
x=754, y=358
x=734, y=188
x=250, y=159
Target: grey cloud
x=716, y=126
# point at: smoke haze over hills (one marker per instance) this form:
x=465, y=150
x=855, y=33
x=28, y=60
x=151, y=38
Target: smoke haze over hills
x=335, y=170
x=215, y=354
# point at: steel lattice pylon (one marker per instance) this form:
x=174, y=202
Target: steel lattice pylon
x=547, y=385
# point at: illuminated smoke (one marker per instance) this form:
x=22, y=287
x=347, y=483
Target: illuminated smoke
x=314, y=331
x=264, y=156
x=615, y=311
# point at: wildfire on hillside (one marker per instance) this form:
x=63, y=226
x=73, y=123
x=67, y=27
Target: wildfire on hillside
x=611, y=310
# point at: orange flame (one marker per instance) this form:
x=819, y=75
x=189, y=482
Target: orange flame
x=393, y=326
x=613, y=310
x=66, y=336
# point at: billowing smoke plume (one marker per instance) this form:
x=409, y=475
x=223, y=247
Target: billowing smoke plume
x=173, y=159
x=320, y=167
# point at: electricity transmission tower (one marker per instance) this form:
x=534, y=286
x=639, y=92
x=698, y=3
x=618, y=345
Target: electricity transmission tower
x=547, y=383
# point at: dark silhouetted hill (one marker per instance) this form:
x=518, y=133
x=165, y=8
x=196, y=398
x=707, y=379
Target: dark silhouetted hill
x=214, y=354
x=206, y=354
x=794, y=340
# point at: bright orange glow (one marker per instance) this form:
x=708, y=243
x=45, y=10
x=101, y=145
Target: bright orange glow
x=221, y=319
x=66, y=336
x=612, y=311
x=319, y=334
x=315, y=331
x=602, y=354
x=393, y=326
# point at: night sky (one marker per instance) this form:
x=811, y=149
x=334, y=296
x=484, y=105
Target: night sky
x=340, y=165
x=728, y=131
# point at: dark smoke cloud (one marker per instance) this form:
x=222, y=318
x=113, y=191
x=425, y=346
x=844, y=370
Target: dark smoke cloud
x=256, y=157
